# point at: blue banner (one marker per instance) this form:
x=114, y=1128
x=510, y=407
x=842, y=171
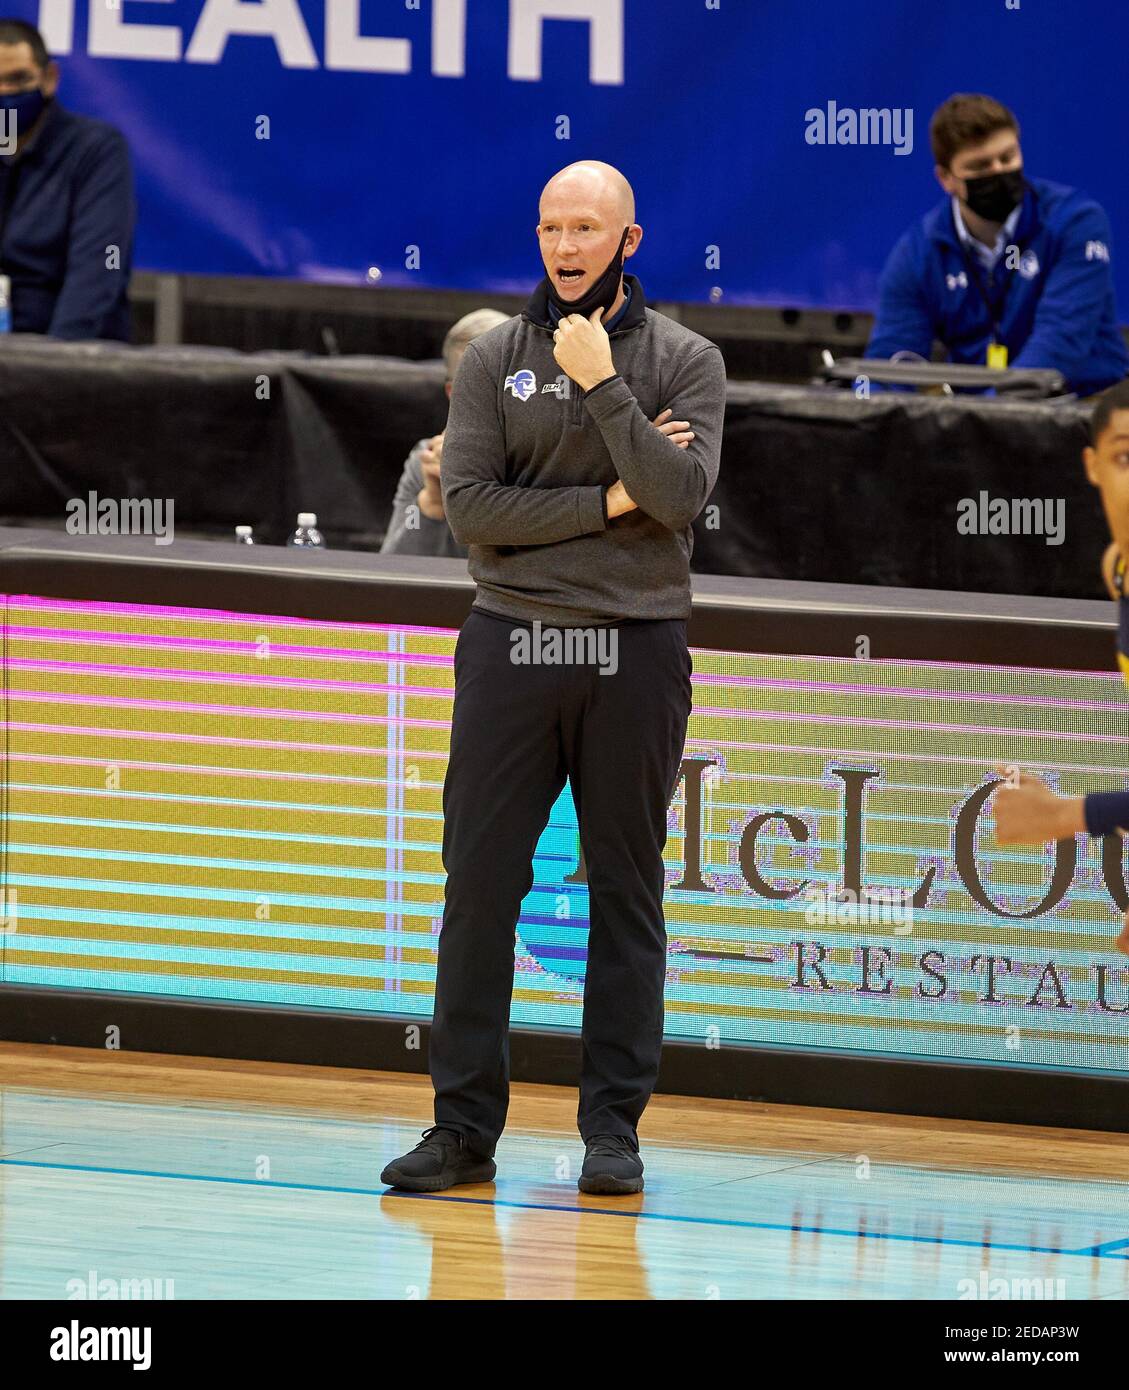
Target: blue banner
x=777, y=147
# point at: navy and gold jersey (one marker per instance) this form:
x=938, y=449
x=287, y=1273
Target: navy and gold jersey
x=1106, y=812
x=1123, y=617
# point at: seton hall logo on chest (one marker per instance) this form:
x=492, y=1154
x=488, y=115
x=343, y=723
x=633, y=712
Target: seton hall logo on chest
x=523, y=384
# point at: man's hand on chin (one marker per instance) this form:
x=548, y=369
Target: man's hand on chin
x=583, y=349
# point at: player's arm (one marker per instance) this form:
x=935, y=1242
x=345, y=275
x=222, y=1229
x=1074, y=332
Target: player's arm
x=1106, y=812
x=668, y=482
x=481, y=508
x=1028, y=812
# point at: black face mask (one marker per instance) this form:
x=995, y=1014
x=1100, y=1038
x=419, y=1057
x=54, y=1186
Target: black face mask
x=19, y=111
x=993, y=196
x=603, y=293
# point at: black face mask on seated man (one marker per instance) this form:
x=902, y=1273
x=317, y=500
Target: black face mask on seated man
x=19, y=111
x=601, y=295
x=993, y=196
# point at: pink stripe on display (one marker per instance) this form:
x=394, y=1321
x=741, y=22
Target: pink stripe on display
x=696, y=745
x=245, y=711
x=423, y=659
x=76, y=730
x=156, y=610
x=200, y=644
x=178, y=673
x=915, y=725
x=208, y=769
x=700, y=711
x=915, y=692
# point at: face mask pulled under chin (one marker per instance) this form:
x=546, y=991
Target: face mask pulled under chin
x=994, y=196
x=603, y=293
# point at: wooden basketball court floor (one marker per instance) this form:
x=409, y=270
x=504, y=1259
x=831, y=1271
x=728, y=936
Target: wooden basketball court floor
x=227, y=1179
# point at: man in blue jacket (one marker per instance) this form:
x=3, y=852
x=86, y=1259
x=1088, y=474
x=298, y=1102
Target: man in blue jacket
x=66, y=202
x=1006, y=271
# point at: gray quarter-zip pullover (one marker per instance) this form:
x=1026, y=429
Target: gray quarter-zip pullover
x=528, y=457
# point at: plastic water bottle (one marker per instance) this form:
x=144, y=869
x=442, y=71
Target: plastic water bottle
x=243, y=536
x=307, y=532
x=5, y=304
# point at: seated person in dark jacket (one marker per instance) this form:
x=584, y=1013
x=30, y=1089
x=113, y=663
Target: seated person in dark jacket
x=1006, y=270
x=417, y=525
x=66, y=202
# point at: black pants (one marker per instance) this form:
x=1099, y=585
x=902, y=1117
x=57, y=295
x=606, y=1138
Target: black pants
x=517, y=731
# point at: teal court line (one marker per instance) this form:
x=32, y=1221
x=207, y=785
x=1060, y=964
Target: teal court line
x=1104, y=1251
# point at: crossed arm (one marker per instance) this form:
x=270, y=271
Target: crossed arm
x=666, y=468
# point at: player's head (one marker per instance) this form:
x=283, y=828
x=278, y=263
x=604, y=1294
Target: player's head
x=976, y=154
x=1107, y=459
x=582, y=215
x=469, y=327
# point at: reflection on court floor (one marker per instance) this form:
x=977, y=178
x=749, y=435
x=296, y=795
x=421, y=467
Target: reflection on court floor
x=222, y=1180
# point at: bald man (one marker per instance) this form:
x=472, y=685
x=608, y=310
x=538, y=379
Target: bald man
x=576, y=511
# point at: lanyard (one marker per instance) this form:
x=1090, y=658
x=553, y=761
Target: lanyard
x=994, y=317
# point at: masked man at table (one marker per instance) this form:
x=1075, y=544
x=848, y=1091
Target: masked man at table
x=1005, y=270
x=66, y=202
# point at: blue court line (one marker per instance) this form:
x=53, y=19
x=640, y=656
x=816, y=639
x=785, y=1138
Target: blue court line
x=1090, y=1251
x=1110, y=1245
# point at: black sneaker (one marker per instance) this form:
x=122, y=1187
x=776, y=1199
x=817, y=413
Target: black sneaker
x=611, y=1164
x=441, y=1160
